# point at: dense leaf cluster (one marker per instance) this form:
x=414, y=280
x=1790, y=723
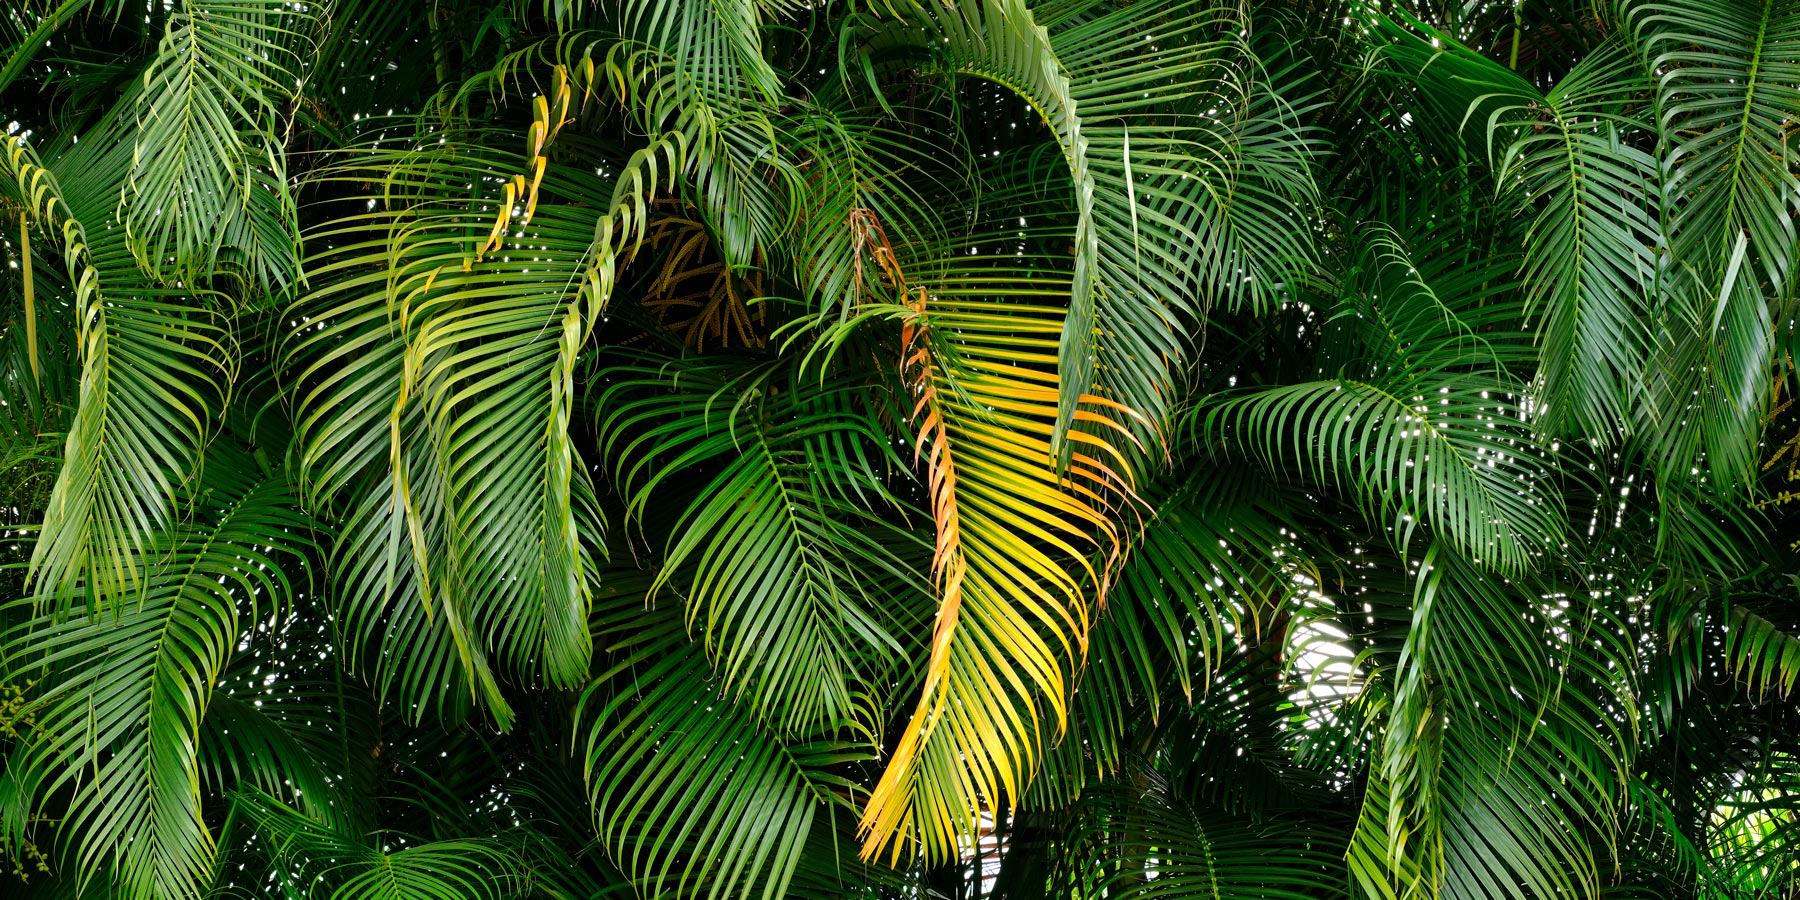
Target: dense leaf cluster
x=899, y=449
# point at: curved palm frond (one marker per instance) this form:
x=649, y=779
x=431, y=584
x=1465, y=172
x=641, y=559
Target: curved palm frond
x=1568, y=157
x=768, y=555
x=209, y=176
x=1140, y=839
x=124, y=690
x=1723, y=116
x=154, y=362
x=1456, y=806
x=313, y=860
x=417, y=337
x=1013, y=542
x=1431, y=431
x=676, y=810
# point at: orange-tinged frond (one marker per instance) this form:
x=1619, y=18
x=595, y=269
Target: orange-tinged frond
x=1023, y=555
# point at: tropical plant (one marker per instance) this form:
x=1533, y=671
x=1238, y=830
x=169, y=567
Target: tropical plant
x=899, y=449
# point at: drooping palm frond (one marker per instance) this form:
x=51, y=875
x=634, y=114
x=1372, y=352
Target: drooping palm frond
x=769, y=555
x=1200, y=585
x=1763, y=655
x=1139, y=839
x=1730, y=204
x=675, y=810
x=432, y=366
x=208, y=179
x=1468, y=579
x=1427, y=427
x=1013, y=543
x=1454, y=807
x=1209, y=201
x=123, y=690
x=154, y=361
x=1569, y=158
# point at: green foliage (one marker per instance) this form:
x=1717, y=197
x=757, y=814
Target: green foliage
x=896, y=449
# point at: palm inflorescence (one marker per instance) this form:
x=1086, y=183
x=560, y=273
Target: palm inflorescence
x=900, y=449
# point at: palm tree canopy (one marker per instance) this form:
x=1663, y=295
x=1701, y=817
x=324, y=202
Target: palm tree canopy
x=899, y=449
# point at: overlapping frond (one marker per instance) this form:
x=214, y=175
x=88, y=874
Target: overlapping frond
x=1570, y=158
x=124, y=689
x=1426, y=427
x=1205, y=204
x=1505, y=749
x=1202, y=573
x=1764, y=656
x=767, y=557
x=693, y=791
x=311, y=859
x=1141, y=840
x=1724, y=117
x=208, y=180
x=437, y=385
x=154, y=361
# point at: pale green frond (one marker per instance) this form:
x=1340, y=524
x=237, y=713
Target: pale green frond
x=208, y=181
x=445, y=370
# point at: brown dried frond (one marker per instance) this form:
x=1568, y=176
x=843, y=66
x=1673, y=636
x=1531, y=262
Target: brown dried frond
x=692, y=291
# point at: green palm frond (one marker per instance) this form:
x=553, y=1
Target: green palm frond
x=287, y=720
x=310, y=859
x=866, y=185
x=1569, y=158
x=430, y=365
x=209, y=175
x=124, y=690
x=768, y=555
x=153, y=365
x=698, y=69
x=1430, y=431
x=675, y=811
x=1118, y=448
x=1200, y=584
x=1456, y=806
x=1138, y=838
x=1761, y=654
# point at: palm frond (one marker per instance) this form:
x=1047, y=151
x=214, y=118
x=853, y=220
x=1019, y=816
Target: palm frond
x=1730, y=204
x=153, y=365
x=1761, y=654
x=209, y=174
x=767, y=555
x=310, y=859
x=125, y=689
x=1569, y=158
x=1137, y=838
x=1013, y=543
x=432, y=367
x=1426, y=428
x=674, y=810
